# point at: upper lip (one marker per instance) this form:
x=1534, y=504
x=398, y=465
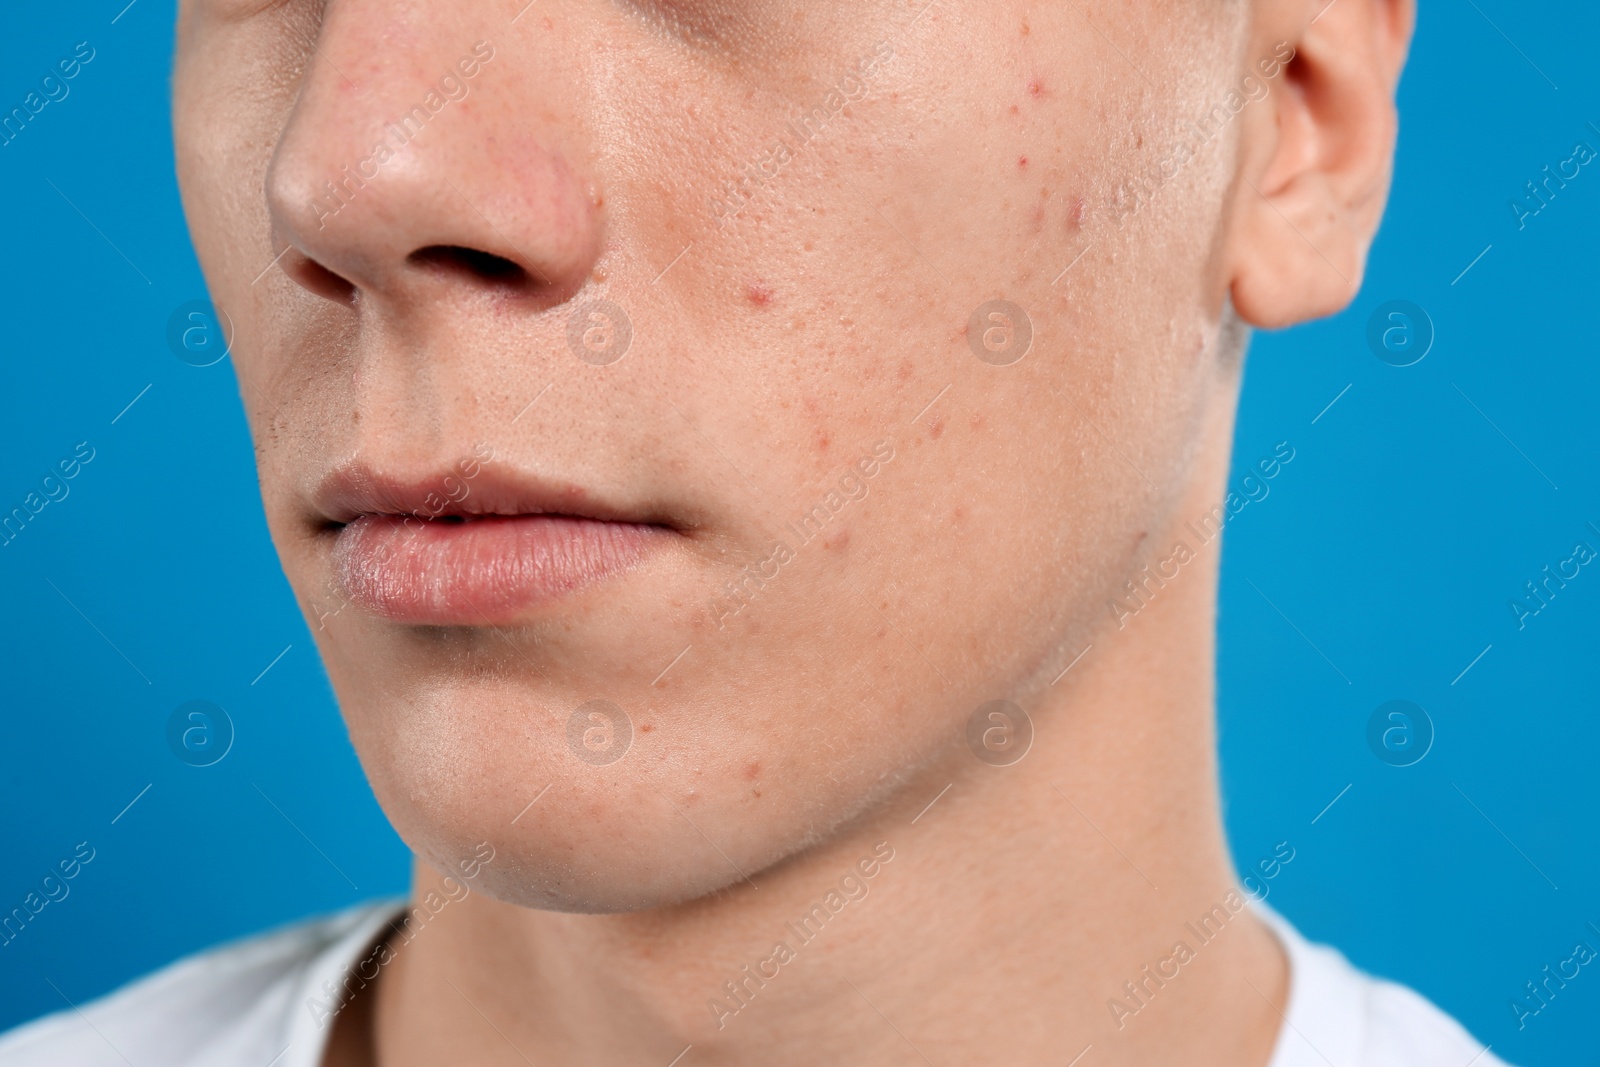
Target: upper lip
x=355, y=489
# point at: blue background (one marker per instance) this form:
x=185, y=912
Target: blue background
x=1380, y=565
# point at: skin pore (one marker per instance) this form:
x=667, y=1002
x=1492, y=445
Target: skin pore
x=406, y=207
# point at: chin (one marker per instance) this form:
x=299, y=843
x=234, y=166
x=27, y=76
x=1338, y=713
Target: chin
x=684, y=813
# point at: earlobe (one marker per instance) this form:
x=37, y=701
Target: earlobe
x=1314, y=166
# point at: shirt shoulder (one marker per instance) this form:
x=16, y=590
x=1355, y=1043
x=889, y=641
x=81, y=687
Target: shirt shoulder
x=1339, y=1015
x=240, y=1004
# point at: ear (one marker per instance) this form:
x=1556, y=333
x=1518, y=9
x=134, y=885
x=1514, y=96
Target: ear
x=1315, y=163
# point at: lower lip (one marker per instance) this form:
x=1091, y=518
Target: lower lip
x=484, y=571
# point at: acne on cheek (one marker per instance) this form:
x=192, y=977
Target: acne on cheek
x=1073, y=208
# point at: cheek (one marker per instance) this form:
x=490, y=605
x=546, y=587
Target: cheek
x=230, y=101
x=831, y=315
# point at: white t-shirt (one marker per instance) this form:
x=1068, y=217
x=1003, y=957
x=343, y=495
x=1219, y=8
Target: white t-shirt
x=252, y=1004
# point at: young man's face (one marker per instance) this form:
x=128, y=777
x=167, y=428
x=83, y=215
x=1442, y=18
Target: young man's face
x=883, y=338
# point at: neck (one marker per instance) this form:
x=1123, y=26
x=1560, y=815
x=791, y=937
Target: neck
x=1011, y=914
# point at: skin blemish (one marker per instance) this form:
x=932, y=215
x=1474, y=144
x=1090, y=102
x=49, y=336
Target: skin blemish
x=837, y=541
x=823, y=441
x=1022, y=162
x=936, y=428
x=1036, y=88
x=1075, y=212
x=577, y=494
x=752, y=772
x=759, y=294
x=645, y=728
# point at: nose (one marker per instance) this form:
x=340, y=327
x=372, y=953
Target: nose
x=405, y=178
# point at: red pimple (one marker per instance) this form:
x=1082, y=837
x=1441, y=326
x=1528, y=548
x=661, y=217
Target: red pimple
x=1035, y=87
x=1022, y=162
x=759, y=294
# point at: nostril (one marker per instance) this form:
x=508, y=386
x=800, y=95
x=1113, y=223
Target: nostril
x=482, y=266
x=318, y=279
